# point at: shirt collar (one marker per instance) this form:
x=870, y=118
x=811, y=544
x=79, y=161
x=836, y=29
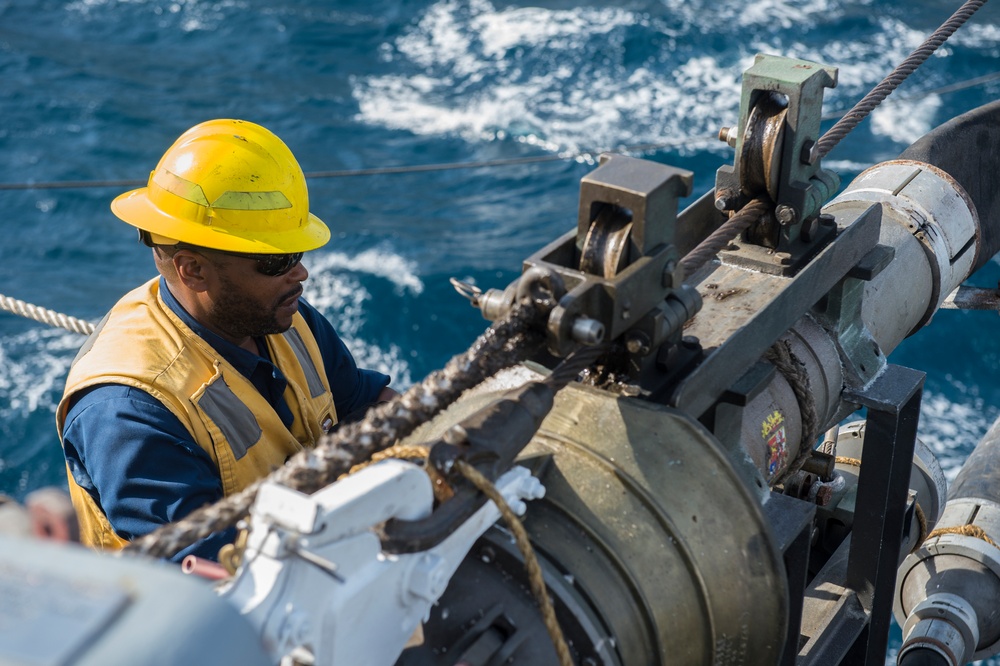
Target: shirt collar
x=244, y=361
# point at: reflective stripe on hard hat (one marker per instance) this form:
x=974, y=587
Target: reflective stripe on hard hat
x=228, y=185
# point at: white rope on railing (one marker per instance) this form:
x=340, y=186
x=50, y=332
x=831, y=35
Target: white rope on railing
x=50, y=317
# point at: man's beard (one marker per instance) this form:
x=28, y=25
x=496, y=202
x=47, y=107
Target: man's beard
x=241, y=316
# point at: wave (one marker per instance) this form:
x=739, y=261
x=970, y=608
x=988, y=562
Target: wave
x=343, y=298
x=953, y=427
x=33, y=369
x=378, y=262
x=590, y=78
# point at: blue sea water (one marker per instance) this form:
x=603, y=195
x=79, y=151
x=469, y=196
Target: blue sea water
x=96, y=90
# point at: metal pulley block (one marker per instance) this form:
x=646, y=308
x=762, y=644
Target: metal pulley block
x=619, y=266
x=780, y=112
x=763, y=139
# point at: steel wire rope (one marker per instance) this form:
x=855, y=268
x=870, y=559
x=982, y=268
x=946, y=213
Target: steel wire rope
x=868, y=103
x=721, y=237
x=390, y=170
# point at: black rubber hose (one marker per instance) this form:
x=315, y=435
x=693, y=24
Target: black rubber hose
x=967, y=147
x=923, y=657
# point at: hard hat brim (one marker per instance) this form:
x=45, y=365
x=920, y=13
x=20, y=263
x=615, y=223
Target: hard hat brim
x=135, y=208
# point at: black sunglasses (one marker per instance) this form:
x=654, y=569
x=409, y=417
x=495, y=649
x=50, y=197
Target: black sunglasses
x=271, y=265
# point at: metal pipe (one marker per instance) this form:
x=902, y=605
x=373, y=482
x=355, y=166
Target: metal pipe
x=949, y=147
x=946, y=591
x=199, y=566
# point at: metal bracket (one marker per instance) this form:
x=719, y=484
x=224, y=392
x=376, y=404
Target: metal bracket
x=745, y=312
x=840, y=312
x=637, y=200
x=779, y=146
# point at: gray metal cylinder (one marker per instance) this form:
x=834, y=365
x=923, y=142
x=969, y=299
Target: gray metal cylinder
x=980, y=474
x=945, y=624
x=650, y=526
x=927, y=479
x=930, y=222
x=962, y=558
x=933, y=229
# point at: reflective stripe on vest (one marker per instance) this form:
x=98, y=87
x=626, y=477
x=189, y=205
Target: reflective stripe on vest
x=231, y=416
x=316, y=387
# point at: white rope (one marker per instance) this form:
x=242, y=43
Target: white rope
x=44, y=316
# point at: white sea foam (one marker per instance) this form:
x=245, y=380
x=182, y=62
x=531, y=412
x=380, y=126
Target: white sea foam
x=379, y=262
x=845, y=166
x=906, y=121
x=343, y=298
x=978, y=35
x=474, y=83
x=528, y=73
x=33, y=369
x=714, y=15
x=952, y=429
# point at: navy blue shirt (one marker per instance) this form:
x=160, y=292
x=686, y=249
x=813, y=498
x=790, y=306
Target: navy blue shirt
x=141, y=465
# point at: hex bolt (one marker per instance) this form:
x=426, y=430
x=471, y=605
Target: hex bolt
x=725, y=200
x=786, y=214
x=637, y=342
x=587, y=331
x=728, y=135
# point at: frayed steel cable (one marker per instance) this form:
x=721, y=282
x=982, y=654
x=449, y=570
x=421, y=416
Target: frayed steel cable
x=504, y=344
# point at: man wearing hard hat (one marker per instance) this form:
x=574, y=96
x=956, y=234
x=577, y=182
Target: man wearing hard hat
x=213, y=374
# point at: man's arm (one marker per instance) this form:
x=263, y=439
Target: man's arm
x=140, y=464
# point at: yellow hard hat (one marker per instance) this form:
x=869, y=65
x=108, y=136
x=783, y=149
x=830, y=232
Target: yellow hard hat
x=227, y=185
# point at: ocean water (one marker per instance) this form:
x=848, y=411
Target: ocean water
x=93, y=92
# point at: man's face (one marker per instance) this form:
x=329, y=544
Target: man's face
x=249, y=304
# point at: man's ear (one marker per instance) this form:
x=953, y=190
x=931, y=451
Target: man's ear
x=193, y=270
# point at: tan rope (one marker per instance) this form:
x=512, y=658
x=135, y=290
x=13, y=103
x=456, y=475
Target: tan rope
x=844, y=460
x=922, y=521
x=484, y=485
x=535, y=578
x=964, y=530
x=791, y=368
x=400, y=451
x=50, y=317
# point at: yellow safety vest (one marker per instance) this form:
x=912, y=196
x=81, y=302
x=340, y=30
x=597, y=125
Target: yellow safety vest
x=143, y=343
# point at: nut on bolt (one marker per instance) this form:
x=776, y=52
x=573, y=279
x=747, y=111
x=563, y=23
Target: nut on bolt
x=587, y=331
x=786, y=214
x=728, y=135
x=637, y=342
x=726, y=200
